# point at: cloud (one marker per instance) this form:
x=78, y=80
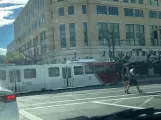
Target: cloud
x=3, y=51
x=7, y=13
x=4, y=22
x=22, y=2
x=11, y=7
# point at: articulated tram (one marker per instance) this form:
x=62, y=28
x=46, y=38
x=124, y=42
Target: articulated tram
x=28, y=78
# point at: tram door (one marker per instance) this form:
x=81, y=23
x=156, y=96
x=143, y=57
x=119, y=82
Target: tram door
x=67, y=76
x=15, y=83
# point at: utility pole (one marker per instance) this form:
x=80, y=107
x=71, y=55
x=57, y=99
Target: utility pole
x=109, y=44
x=113, y=44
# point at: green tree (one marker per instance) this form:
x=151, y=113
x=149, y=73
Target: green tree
x=15, y=57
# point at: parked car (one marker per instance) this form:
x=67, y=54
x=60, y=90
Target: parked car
x=8, y=105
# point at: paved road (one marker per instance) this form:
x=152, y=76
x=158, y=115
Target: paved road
x=60, y=106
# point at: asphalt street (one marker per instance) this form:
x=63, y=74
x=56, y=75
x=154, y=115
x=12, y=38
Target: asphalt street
x=87, y=102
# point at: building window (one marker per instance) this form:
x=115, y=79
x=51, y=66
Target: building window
x=139, y=13
x=70, y=10
x=72, y=35
x=140, y=36
x=140, y=1
x=125, y=1
x=154, y=42
x=103, y=33
x=102, y=10
x=159, y=14
x=63, y=36
x=61, y=11
x=36, y=49
x=113, y=10
x=133, y=1
x=152, y=14
x=85, y=29
x=128, y=12
x=114, y=33
x=42, y=20
x=84, y=9
x=43, y=41
x=155, y=2
x=149, y=2
x=130, y=35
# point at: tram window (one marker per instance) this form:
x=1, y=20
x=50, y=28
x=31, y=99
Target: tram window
x=18, y=78
x=78, y=70
x=54, y=72
x=11, y=75
x=29, y=73
x=88, y=69
x=69, y=73
x=64, y=72
x=109, y=69
x=99, y=68
x=2, y=75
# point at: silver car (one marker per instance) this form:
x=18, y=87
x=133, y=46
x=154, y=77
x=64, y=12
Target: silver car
x=8, y=105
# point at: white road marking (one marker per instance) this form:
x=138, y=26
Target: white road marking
x=120, y=99
x=86, y=92
x=147, y=101
x=56, y=105
x=29, y=115
x=111, y=104
x=84, y=99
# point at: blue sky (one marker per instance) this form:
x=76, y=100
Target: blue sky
x=9, y=10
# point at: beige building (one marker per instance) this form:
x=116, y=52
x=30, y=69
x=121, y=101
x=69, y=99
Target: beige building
x=60, y=30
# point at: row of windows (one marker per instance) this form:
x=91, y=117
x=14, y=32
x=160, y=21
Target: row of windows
x=33, y=45
x=34, y=26
x=33, y=9
x=148, y=2
x=103, y=10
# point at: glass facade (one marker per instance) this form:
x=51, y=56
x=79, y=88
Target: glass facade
x=84, y=9
x=43, y=41
x=114, y=33
x=102, y=10
x=72, y=35
x=130, y=35
x=140, y=36
x=152, y=14
x=103, y=33
x=61, y=11
x=63, y=36
x=85, y=30
x=154, y=42
x=113, y=10
x=70, y=10
x=139, y=13
x=128, y=12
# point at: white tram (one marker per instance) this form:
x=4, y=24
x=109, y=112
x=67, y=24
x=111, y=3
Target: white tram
x=27, y=78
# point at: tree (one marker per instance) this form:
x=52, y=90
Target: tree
x=122, y=57
x=15, y=57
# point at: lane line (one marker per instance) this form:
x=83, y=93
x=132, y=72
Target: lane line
x=55, y=106
x=84, y=93
x=146, y=101
x=29, y=115
x=84, y=99
x=126, y=98
x=117, y=105
x=119, y=100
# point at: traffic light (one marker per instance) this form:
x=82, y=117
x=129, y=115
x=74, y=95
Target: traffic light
x=155, y=34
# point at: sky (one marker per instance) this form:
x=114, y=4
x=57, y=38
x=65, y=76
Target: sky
x=9, y=10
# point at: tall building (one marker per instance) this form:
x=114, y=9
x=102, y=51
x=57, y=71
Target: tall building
x=60, y=30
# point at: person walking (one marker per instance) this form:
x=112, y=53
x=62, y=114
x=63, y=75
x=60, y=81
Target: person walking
x=126, y=80
x=133, y=80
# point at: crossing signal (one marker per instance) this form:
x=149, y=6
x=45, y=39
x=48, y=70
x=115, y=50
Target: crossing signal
x=155, y=34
